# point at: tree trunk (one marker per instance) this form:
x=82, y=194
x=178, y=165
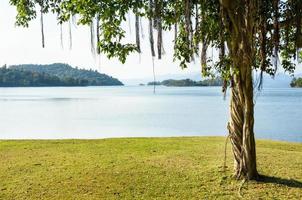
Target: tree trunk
x=241, y=127
x=241, y=124
x=235, y=125
x=238, y=18
x=249, y=165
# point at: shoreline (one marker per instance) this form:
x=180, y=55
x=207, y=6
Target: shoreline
x=144, y=138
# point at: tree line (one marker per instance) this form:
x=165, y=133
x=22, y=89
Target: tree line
x=189, y=82
x=296, y=82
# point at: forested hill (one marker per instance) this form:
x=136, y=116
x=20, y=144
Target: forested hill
x=56, y=74
x=189, y=82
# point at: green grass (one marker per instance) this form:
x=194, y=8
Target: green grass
x=143, y=168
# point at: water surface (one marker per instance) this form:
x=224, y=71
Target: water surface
x=101, y=112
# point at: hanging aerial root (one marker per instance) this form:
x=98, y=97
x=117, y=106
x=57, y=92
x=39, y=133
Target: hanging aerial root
x=158, y=12
x=235, y=128
x=175, y=33
x=159, y=39
x=196, y=44
x=137, y=33
x=61, y=36
x=298, y=36
x=151, y=38
x=163, y=51
x=263, y=46
x=97, y=27
x=141, y=27
x=70, y=35
x=129, y=23
x=225, y=152
x=188, y=26
x=74, y=21
x=154, y=79
x=203, y=57
x=188, y=19
x=92, y=39
x=42, y=27
x=276, y=36
x=240, y=187
x=223, y=65
x=260, y=85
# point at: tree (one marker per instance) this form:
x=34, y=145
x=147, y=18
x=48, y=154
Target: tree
x=296, y=82
x=249, y=35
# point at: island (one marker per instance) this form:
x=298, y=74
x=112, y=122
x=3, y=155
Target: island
x=57, y=74
x=188, y=82
x=296, y=82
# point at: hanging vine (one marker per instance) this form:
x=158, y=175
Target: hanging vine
x=97, y=27
x=151, y=37
x=137, y=34
x=158, y=26
x=42, y=26
x=70, y=34
x=92, y=39
x=61, y=36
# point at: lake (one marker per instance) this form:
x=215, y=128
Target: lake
x=102, y=112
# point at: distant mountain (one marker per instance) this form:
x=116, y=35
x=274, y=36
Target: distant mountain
x=58, y=74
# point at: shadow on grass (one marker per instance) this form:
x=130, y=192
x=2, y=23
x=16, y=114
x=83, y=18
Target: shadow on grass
x=281, y=181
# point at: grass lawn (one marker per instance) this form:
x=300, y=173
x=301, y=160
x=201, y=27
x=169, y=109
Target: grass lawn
x=143, y=168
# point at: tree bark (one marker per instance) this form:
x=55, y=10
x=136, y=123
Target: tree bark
x=235, y=125
x=241, y=127
x=249, y=165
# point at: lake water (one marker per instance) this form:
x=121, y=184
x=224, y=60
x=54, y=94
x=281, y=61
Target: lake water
x=101, y=112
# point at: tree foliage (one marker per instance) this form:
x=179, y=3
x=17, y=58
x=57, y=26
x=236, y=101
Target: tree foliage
x=198, y=24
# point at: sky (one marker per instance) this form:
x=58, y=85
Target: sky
x=20, y=45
